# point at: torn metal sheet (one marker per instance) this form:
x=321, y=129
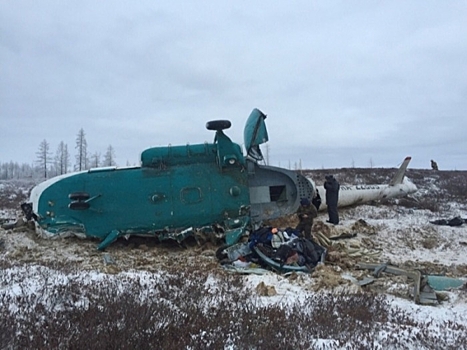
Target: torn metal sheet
x=235, y=251
x=441, y=283
x=422, y=292
x=365, y=281
x=108, y=260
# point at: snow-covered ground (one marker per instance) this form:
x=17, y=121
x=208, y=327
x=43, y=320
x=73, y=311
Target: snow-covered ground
x=397, y=235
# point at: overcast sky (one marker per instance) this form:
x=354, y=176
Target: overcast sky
x=344, y=83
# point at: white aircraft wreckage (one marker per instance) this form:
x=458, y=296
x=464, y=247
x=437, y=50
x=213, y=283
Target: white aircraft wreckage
x=209, y=190
x=358, y=194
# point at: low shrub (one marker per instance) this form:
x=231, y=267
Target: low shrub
x=189, y=309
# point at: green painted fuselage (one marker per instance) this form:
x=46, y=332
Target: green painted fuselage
x=209, y=186
x=178, y=187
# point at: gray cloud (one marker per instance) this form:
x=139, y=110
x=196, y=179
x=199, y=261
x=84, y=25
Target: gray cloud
x=342, y=83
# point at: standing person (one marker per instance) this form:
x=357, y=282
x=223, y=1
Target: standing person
x=332, y=197
x=316, y=201
x=306, y=213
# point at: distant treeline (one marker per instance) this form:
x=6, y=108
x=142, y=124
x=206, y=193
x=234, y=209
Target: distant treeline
x=48, y=165
x=13, y=170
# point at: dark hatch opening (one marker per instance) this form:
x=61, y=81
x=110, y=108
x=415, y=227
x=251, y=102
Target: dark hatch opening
x=277, y=193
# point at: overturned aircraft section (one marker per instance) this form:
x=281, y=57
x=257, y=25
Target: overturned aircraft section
x=176, y=192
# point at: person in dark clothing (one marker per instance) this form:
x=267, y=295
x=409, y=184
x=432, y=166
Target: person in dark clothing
x=306, y=213
x=332, y=197
x=316, y=201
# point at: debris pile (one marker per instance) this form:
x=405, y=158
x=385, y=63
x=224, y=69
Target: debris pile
x=282, y=250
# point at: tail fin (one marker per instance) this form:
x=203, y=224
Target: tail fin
x=399, y=177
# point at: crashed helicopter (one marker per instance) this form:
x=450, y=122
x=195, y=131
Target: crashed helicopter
x=178, y=191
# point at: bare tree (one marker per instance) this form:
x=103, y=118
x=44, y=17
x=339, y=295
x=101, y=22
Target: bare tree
x=62, y=159
x=66, y=158
x=81, y=147
x=109, y=157
x=95, y=160
x=43, y=156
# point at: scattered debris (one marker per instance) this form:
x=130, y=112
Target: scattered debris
x=278, y=250
x=423, y=293
x=456, y=221
x=365, y=281
x=441, y=283
x=321, y=239
x=12, y=223
x=108, y=260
